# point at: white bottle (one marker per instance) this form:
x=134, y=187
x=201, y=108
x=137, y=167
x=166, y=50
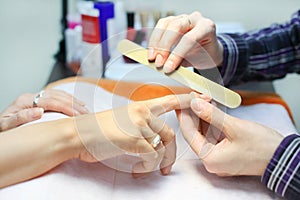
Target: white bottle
x=91, y=65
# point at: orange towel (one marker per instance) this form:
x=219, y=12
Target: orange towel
x=140, y=91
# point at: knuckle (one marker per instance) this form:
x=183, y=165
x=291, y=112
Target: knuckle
x=51, y=104
x=140, y=144
x=140, y=114
x=140, y=122
x=165, y=21
x=197, y=14
x=172, y=98
x=20, y=118
x=206, y=116
x=161, y=22
x=177, y=26
x=23, y=100
x=171, y=135
x=141, y=108
x=210, y=24
x=172, y=101
x=23, y=97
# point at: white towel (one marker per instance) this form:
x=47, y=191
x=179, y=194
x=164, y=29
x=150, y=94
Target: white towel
x=188, y=180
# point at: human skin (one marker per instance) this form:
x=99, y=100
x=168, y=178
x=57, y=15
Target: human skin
x=188, y=40
x=29, y=151
x=229, y=146
x=22, y=110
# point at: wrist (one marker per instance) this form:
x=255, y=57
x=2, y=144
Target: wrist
x=91, y=139
x=68, y=144
x=267, y=150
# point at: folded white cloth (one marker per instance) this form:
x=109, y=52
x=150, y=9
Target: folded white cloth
x=189, y=179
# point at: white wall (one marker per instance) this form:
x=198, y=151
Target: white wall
x=252, y=14
x=30, y=33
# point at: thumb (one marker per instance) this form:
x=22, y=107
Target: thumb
x=214, y=116
x=161, y=105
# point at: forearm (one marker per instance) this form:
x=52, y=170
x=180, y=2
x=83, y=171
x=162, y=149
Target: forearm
x=30, y=151
x=266, y=54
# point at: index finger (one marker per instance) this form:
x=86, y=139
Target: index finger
x=156, y=35
x=179, y=26
x=159, y=106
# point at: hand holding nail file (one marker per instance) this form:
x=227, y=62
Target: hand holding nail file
x=186, y=77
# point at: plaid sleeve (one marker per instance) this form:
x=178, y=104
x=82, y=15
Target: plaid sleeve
x=235, y=57
x=282, y=174
x=264, y=54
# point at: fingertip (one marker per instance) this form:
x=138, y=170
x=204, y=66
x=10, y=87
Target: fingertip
x=41, y=110
x=205, y=97
x=197, y=105
x=172, y=63
x=151, y=55
x=169, y=67
x=76, y=113
x=138, y=175
x=166, y=170
x=159, y=61
x=36, y=113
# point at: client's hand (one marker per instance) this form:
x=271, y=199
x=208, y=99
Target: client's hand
x=30, y=107
x=133, y=130
x=246, y=149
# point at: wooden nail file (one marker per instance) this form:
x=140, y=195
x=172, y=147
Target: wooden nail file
x=184, y=76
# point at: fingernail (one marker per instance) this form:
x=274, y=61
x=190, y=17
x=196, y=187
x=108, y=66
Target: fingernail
x=137, y=175
x=195, y=94
x=36, y=112
x=80, y=102
x=84, y=110
x=196, y=105
x=169, y=66
x=151, y=53
x=159, y=61
x=76, y=113
x=166, y=170
x=205, y=97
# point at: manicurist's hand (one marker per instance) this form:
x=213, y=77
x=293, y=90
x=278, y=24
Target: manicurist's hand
x=244, y=149
x=30, y=107
x=188, y=40
x=135, y=130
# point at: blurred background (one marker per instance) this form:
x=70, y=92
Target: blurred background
x=31, y=32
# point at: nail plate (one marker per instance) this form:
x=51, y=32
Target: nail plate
x=159, y=61
x=151, y=53
x=169, y=66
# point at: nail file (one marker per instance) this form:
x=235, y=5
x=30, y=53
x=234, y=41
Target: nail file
x=184, y=76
